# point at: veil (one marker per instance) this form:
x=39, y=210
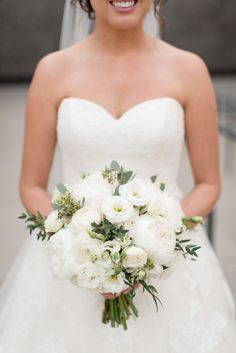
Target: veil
x=76, y=25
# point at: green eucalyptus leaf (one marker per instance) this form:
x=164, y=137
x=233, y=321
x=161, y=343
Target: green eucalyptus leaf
x=61, y=187
x=115, y=165
x=153, y=178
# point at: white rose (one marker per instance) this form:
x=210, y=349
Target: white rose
x=114, y=284
x=53, y=223
x=135, y=257
x=117, y=209
x=82, y=219
x=137, y=191
x=168, y=207
x=90, y=276
x=61, y=256
x=156, y=237
x=93, y=188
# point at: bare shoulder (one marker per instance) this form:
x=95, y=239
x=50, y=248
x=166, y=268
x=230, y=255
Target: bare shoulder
x=188, y=68
x=51, y=72
x=186, y=62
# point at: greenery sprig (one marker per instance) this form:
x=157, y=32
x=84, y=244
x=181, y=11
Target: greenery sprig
x=36, y=222
x=106, y=230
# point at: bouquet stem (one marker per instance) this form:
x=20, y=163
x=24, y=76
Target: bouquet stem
x=118, y=310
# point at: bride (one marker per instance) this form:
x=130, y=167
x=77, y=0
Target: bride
x=119, y=94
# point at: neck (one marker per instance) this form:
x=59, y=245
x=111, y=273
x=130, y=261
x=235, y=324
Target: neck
x=117, y=41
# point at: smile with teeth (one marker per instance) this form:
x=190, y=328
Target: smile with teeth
x=122, y=4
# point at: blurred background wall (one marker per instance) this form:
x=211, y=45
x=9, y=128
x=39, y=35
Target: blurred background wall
x=30, y=29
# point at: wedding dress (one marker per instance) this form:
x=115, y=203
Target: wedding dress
x=43, y=315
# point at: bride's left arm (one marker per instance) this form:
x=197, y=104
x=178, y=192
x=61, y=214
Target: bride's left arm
x=202, y=139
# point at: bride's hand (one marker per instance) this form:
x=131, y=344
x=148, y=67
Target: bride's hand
x=126, y=291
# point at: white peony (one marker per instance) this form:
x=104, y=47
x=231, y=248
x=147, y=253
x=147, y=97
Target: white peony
x=86, y=249
x=114, y=284
x=156, y=271
x=93, y=188
x=117, y=209
x=53, y=223
x=82, y=219
x=168, y=207
x=156, y=237
x=90, y=276
x=137, y=191
x=61, y=256
x=135, y=257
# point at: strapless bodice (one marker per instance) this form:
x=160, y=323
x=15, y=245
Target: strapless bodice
x=148, y=138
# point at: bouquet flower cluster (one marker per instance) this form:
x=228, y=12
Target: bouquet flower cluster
x=111, y=231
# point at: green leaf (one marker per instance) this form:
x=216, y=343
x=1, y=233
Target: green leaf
x=127, y=175
x=115, y=165
x=55, y=206
x=162, y=186
x=153, y=178
x=61, y=187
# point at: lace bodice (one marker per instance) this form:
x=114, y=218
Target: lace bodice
x=147, y=138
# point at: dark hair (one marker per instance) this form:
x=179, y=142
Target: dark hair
x=87, y=7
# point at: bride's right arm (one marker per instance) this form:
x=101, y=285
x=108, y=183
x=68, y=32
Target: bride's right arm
x=39, y=139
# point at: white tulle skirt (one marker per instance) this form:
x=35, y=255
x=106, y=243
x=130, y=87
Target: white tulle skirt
x=41, y=315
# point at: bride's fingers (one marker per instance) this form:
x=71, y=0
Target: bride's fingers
x=126, y=291
x=109, y=295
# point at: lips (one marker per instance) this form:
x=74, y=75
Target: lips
x=123, y=6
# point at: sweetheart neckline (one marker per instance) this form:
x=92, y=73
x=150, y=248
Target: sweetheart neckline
x=101, y=107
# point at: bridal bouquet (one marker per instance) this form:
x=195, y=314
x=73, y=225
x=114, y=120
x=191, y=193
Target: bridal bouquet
x=111, y=232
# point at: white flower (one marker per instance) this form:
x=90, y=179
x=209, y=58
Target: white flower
x=113, y=246
x=90, y=276
x=82, y=219
x=61, y=257
x=137, y=191
x=93, y=188
x=156, y=271
x=135, y=257
x=117, y=209
x=168, y=207
x=53, y=223
x=171, y=268
x=86, y=249
x=114, y=284
x=156, y=237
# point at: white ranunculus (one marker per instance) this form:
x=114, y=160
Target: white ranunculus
x=93, y=188
x=135, y=257
x=61, y=257
x=86, y=249
x=117, y=209
x=53, y=223
x=137, y=191
x=82, y=219
x=156, y=236
x=168, y=207
x=90, y=276
x=114, y=284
